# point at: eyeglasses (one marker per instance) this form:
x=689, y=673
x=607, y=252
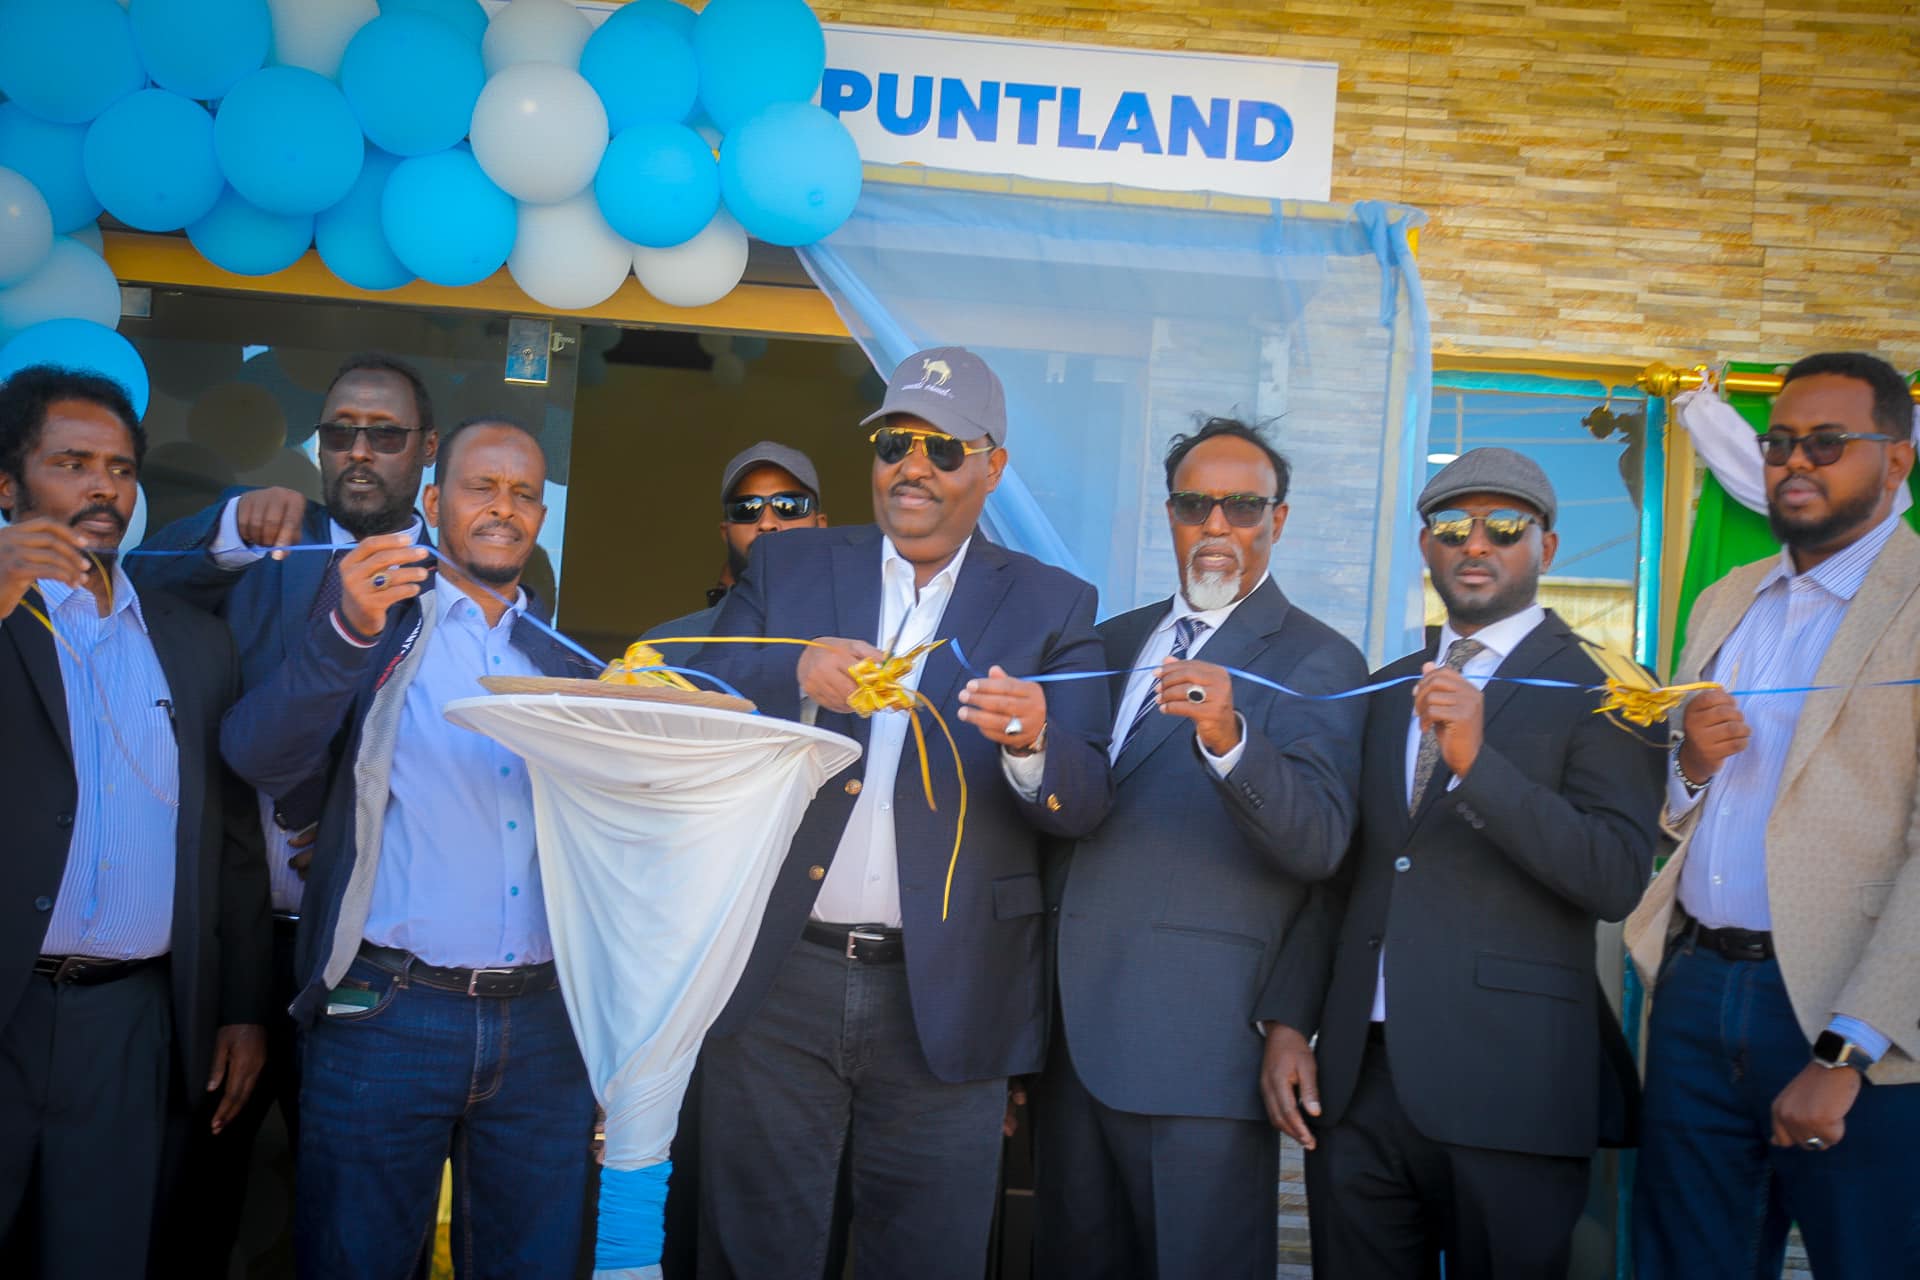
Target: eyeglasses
x=1504, y=526
x=1244, y=510
x=338, y=437
x=786, y=506
x=893, y=444
x=1823, y=447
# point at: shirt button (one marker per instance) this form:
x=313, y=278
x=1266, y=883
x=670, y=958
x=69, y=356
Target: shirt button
x=1403, y=864
x=886, y=808
x=505, y=771
x=512, y=825
x=496, y=659
x=515, y=891
x=1718, y=880
x=509, y=957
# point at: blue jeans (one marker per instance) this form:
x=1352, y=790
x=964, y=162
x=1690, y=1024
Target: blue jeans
x=386, y=1094
x=1713, y=1199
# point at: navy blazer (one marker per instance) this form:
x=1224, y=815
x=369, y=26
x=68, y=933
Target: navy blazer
x=977, y=978
x=1171, y=914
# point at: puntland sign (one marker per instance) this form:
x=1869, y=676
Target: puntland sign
x=1076, y=113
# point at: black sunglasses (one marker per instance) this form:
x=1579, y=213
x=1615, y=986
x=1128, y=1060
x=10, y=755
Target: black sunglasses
x=1504, y=526
x=1244, y=510
x=1823, y=447
x=786, y=506
x=337, y=437
x=893, y=444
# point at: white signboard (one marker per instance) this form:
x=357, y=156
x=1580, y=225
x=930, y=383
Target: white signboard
x=1080, y=113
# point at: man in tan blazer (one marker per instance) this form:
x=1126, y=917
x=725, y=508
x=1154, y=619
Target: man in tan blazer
x=1783, y=1056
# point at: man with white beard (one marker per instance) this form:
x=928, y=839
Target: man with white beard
x=1155, y=1155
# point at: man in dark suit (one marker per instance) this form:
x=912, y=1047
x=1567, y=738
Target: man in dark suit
x=133, y=895
x=1155, y=1156
x=1461, y=1071
x=896, y=983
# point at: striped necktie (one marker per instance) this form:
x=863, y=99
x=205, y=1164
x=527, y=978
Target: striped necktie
x=1185, y=630
x=1459, y=654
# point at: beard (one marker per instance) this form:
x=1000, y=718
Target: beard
x=494, y=575
x=1209, y=591
x=1501, y=600
x=371, y=511
x=1841, y=518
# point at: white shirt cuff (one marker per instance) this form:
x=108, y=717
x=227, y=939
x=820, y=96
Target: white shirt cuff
x=1024, y=773
x=1679, y=801
x=1223, y=765
x=228, y=550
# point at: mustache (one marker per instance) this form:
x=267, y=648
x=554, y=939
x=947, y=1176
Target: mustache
x=1484, y=566
x=1205, y=545
x=99, y=509
x=360, y=473
x=491, y=525
x=908, y=486
x=1806, y=478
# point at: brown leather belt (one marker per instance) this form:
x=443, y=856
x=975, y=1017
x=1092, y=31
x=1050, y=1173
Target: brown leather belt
x=493, y=983
x=88, y=971
x=867, y=943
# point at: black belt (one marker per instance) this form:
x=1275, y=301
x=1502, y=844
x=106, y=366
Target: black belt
x=286, y=920
x=867, y=943
x=1732, y=944
x=88, y=971
x=494, y=983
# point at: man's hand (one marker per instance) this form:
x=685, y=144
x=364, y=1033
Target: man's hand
x=1815, y=1105
x=270, y=518
x=1715, y=731
x=996, y=701
x=1016, y=1097
x=1213, y=718
x=823, y=670
x=239, y=1051
x=1290, y=1083
x=303, y=842
x=35, y=549
x=1454, y=708
x=377, y=575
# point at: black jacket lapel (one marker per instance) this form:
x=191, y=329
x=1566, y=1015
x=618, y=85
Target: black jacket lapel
x=35, y=646
x=983, y=584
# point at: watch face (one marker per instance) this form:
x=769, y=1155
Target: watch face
x=1828, y=1046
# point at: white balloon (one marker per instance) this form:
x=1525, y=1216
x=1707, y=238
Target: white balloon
x=535, y=31
x=539, y=132
x=26, y=228
x=315, y=36
x=565, y=256
x=73, y=282
x=704, y=269
x=91, y=236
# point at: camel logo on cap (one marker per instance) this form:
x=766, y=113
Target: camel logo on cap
x=934, y=377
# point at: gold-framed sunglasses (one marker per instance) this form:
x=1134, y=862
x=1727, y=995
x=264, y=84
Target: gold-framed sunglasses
x=893, y=444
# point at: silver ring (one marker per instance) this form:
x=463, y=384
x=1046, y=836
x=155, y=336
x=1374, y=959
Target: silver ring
x=379, y=582
x=1813, y=1144
x=1196, y=694
x=1014, y=726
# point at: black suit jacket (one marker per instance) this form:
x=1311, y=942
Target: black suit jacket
x=221, y=937
x=1172, y=913
x=977, y=978
x=1485, y=899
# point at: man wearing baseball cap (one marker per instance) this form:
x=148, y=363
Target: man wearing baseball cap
x=1466, y=1055
x=897, y=982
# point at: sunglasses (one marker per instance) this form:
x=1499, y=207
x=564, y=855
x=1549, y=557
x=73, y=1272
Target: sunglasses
x=337, y=437
x=1823, y=447
x=1244, y=510
x=893, y=444
x=1504, y=526
x=786, y=506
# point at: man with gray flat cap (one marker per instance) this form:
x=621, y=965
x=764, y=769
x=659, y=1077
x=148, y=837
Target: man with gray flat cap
x=1467, y=1064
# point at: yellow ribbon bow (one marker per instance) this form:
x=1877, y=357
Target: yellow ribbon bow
x=1632, y=694
x=642, y=664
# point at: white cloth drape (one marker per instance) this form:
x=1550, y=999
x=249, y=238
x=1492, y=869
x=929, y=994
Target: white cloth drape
x=1724, y=441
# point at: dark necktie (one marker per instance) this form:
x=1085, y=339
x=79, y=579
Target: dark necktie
x=1459, y=654
x=1185, y=631
x=327, y=598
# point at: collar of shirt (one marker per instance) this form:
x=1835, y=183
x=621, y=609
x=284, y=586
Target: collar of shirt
x=1840, y=574
x=1498, y=638
x=341, y=538
x=896, y=573
x=1213, y=618
x=451, y=597
x=57, y=594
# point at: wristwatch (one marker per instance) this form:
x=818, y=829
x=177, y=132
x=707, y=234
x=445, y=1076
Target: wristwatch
x=1832, y=1050
x=1693, y=788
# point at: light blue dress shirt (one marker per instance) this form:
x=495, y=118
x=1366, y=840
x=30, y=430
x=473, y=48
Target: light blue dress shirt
x=459, y=878
x=116, y=895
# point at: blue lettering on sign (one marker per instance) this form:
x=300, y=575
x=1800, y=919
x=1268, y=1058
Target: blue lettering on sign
x=1210, y=131
x=1246, y=138
x=983, y=117
x=842, y=90
x=1030, y=96
x=1132, y=122
x=917, y=116
x=1070, y=135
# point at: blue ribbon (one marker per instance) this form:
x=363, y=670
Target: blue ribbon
x=633, y=1217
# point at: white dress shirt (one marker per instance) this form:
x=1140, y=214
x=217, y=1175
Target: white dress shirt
x=1145, y=679
x=1497, y=640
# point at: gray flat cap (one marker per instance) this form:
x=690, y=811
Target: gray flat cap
x=769, y=454
x=953, y=389
x=1498, y=471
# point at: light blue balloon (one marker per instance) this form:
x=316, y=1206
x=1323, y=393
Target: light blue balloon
x=791, y=175
x=247, y=240
x=349, y=236
x=755, y=52
x=288, y=141
x=50, y=156
x=201, y=48
x=642, y=68
x=446, y=220
x=658, y=184
x=464, y=16
x=150, y=161
x=67, y=60
x=82, y=345
x=412, y=80
x=676, y=16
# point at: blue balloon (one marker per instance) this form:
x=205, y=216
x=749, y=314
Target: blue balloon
x=67, y=61
x=412, y=79
x=658, y=184
x=446, y=220
x=288, y=141
x=83, y=345
x=464, y=16
x=51, y=157
x=755, y=52
x=677, y=16
x=249, y=241
x=642, y=68
x=790, y=175
x=201, y=48
x=350, y=238
x=149, y=159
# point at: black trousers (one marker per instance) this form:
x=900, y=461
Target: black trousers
x=1386, y=1201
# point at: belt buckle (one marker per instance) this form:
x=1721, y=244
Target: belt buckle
x=857, y=936
x=473, y=979
x=69, y=966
